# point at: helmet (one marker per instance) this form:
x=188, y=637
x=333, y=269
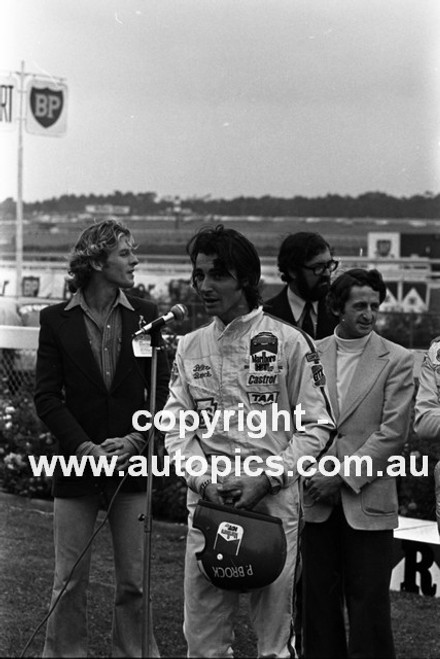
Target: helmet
x=243, y=549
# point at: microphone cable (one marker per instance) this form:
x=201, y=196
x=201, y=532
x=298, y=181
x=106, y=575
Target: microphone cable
x=90, y=541
x=75, y=565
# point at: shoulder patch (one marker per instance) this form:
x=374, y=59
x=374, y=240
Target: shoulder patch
x=318, y=375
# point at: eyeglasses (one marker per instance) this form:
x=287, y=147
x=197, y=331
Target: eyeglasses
x=320, y=268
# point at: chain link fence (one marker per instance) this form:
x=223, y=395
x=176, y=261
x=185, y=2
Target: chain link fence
x=17, y=371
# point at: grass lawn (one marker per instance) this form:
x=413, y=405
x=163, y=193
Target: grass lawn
x=26, y=571
x=26, y=556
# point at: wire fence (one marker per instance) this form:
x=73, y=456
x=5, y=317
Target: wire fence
x=17, y=371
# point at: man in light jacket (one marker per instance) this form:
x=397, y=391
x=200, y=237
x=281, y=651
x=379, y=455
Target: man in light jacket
x=350, y=516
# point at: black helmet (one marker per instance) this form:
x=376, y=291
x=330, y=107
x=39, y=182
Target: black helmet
x=243, y=550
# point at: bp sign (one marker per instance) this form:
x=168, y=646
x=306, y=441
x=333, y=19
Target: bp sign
x=46, y=105
x=47, y=108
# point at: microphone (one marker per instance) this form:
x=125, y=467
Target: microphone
x=177, y=312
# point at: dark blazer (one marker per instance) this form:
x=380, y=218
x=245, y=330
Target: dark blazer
x=279, y=306
x=71, y=397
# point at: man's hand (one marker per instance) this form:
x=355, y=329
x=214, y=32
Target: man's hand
x=112, y=445
x=211, y=494
x=243, y=491
x=323, y=489
x=97, y=450
x=117, y=446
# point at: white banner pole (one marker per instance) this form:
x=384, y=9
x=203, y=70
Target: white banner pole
x=19, y=212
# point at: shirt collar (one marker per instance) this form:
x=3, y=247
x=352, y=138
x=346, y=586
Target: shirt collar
x=78, y=299
x=297, y=304
x=237, y=322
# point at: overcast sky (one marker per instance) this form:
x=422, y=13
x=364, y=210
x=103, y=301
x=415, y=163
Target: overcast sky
x=230, y=97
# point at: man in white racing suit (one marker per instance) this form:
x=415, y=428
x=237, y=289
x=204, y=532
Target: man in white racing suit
x=427, y=408
x=257, y=387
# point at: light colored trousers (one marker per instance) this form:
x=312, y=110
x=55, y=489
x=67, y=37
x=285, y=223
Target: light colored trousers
x=210, y=612
x=74, y=522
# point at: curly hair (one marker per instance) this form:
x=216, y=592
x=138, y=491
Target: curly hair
x=297, y=249
x=340, y=289
x=234, y=252
x=94, y=245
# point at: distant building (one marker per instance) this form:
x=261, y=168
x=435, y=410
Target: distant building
x=107, y=209
x=409, y=285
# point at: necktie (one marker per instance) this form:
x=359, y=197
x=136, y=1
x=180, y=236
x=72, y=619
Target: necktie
x=307, y=322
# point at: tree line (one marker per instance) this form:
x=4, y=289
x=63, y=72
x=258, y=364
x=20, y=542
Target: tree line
x=369, y=204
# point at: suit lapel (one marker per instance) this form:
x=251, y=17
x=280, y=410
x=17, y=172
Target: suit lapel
x=125, y=365
x=373, y=360
x=281, y=308
x=326, y=322
x=73, y=335
x=327, y=350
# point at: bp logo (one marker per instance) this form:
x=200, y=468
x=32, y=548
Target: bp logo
x=46, y=105
x=383, y=247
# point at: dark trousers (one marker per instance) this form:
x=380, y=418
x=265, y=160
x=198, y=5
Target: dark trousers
x=346, y=567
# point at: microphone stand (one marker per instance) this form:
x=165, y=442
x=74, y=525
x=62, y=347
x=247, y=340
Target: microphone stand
x=147, y=616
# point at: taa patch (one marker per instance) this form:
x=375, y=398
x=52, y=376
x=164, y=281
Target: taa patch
x=263, y=353
x=263, y=397
x=318, y=375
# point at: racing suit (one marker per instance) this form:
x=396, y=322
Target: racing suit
x=255, y=364
x=427, y=408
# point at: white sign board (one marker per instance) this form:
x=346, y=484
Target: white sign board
x=416, y=558
x=8, y=101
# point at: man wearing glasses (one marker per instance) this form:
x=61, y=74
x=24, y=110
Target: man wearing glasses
x=305, y=263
